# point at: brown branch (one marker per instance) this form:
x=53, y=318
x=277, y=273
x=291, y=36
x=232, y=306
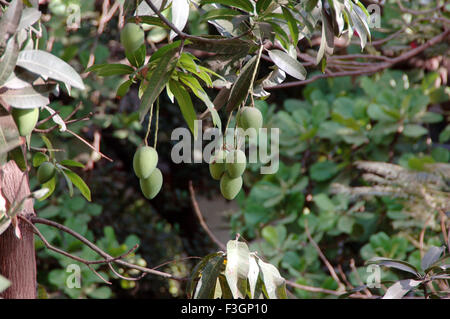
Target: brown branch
x=202, y=220
x=108, y=258
x=324, y=258
x=388, y=62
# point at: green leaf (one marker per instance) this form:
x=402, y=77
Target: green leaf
x=327, y=40
x=68, y=181
x=28, y=97
x=79, y=183
x=185, y=103
x=71, y=163
x=241, y=4
x=157, y=81
x=236, y=270
x=262, y=5
x=209, y=276
x=8, y=60
x=275, y=284
x=242, y=85
x=292, y=24
x=111, y=69
x=432, y=256
x=288, y=64
x=167, y=49
x=10, y=19
x=149, y=20
x=323, y=171
x=137, y=58
x=401, y=288
x=444, y=136
x=197, y=271
x=393, y=263
x=220, y=14
x=9, y=137
x=51, y=184
x=48, y=65
x=39, y=158
x=414, y=130
x=123, y=88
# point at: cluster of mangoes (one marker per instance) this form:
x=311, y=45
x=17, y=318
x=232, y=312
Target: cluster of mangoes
x=25, y=119
x=150, y=177
x=228, y=167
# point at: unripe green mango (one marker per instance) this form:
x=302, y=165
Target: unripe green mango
x=132, y=37
x=250, y=117
x=144, y=161
x=217, y=165
x=151, y=185
x=25, y=119
x=230, y=187
x=236, y=163
x=45, y=172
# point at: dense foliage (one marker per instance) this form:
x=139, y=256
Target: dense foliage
x=363, y=113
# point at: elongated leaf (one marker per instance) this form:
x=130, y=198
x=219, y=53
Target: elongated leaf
x=39, y=158
x=9, y=137
x=327, y=41
x=10, y=20
x=29, y=17
x=157, y=81
x=180, y=14
x=401, y=288
x=242, y=85
x=29, y=97
x=433, y=254
x=71, y=163
x=262, y=5
x=196, y=88
x=50, y=185
x=274, y=283
x=210, y=274
x=167, y=49
x=237, y=268
x=150, y=20
x=241, y=4
x=393, y=263
x=289, y=65
x=220, y=14
x=111, y=69
x=79, y=183
x=185, y=103
x=8, y=60
x=197, y=270
x=68, y=181
x=49, y=66
x=292, y=24
x=253, y=276
x=123, y=88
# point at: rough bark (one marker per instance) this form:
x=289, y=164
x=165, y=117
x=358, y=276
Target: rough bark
x=17, y=256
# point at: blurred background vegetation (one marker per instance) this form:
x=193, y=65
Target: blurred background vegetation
x=399, y=116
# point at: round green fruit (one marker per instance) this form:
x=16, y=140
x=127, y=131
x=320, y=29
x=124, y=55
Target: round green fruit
x=144, y=161
x=151, y=185
x=230, y=187
x=45, y=172
x=132, y=37
x=250, y=117
x=217, y=165
x=236, y=163
x=25, y=119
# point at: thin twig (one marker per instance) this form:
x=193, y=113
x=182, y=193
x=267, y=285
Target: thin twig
x=201, y=219
x=324, y=258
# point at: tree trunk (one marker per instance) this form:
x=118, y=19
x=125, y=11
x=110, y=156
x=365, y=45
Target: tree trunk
x=17, y=256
